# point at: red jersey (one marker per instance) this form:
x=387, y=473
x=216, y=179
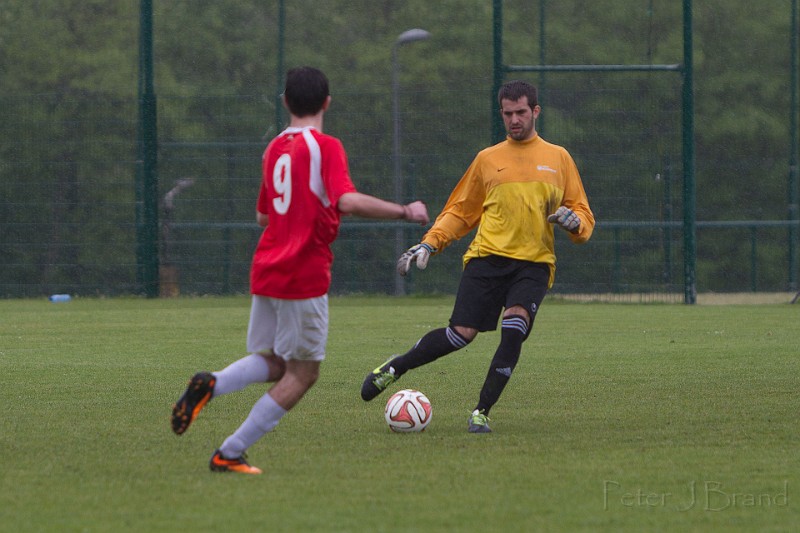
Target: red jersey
x=305, y=172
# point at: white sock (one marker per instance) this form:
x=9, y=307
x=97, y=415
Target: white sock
x=262, y=419
x=239, y=374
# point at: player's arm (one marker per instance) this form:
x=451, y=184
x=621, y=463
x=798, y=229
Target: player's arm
x=579, y=211
x=574, y=214
x=366, y=206
x=460, y=215
x=449, y=227
x=262, y=219
x=462, y=211
x=576, y=218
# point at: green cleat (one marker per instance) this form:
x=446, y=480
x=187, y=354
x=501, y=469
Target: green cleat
x=478, y=422
x=377, y=380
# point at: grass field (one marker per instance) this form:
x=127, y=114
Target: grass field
x=618, y=418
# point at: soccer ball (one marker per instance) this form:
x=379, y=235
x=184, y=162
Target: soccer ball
x=408, y=411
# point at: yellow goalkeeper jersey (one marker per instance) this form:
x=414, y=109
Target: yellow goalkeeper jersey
x=507, y=192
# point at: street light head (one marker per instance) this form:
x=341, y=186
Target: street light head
x=409, y=36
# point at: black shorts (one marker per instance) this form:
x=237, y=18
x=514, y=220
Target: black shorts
x=492, y=283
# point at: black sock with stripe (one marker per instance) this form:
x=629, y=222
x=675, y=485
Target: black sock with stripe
x=431, y=347
x=513, y=334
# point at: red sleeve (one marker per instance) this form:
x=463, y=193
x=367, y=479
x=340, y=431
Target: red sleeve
x=262, y=206
x=336, y=172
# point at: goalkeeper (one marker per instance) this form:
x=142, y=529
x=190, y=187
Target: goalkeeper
x=514, y=192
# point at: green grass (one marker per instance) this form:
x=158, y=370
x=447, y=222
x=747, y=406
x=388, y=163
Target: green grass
x=614, y=414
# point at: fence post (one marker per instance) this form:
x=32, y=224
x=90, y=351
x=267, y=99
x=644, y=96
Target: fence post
x=498, y=130
x=689, y=186
x=616, y=270
x=794, y=153
x=753, y=258
x=146, y=161
x=279, y=74
x=667, y=217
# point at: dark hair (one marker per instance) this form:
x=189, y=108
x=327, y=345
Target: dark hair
x=516, y=89
x=305, y=91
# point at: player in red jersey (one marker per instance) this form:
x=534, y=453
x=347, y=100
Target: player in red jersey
x=306, y=187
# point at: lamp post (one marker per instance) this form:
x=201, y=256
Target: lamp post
x=408, y=36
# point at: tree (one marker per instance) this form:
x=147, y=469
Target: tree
x=69, y=120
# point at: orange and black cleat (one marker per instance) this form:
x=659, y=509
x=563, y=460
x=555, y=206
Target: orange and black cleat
x=218, y=463
x=197, y=395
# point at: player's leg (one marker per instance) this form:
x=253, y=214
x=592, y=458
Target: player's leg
x=203, y=386
x=476, y=308
x=430, y=347
x=302, y=330
x=265, y=415
x=525, y=294
x=513, y=332
x=261, y=366
x=258, y=367
x=254, y=368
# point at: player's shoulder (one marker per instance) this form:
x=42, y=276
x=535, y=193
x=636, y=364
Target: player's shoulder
x=547, y=145
x=323, y=137
x=490, y=151
x=494, y=148
x=328, y=144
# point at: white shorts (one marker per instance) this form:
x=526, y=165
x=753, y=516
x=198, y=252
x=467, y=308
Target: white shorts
x=291, y=329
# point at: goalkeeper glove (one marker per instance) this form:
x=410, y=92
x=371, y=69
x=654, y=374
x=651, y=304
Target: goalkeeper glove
x=566, y=218
x=419, y=253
